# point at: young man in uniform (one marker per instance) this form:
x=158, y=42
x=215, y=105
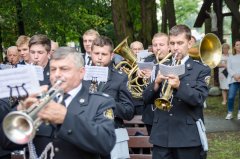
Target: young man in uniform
x=174, y=132
x=116, y=85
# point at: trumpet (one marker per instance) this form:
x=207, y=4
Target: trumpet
x=163, y=102
x=20, y=126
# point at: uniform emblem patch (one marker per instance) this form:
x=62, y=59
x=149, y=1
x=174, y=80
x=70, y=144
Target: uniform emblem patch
x=108, y=114
x=207, y=79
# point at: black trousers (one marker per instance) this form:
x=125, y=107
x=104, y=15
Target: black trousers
x=178, y=153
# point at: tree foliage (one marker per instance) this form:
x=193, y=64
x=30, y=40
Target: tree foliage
x=63, y=20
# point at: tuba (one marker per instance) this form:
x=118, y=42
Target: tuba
x=20, y=126
x=130, y=67
x=209, y=52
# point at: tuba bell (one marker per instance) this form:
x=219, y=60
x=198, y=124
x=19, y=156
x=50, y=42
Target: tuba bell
x=20, y=126
x=209, y=52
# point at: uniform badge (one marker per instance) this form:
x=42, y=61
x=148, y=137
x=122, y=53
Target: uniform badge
x=207, y=79
x=108, y=114
x=81, y=100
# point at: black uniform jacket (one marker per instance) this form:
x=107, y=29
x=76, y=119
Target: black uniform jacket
x=4, y=109
x=177, y=128
x=85, y=133
x=46, y=73
x=116, y=87
x=147, y=116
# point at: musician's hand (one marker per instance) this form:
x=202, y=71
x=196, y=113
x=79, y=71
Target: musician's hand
x=159, y=79
x=140, y=73
x=25, y=104
x=174, y=81
x=54, y=113
x=147, y=73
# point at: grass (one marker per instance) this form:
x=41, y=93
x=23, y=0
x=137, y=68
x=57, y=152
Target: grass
x=222, y=145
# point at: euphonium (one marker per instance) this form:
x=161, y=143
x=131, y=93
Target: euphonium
x=130, y=67
x=123, y=50
x=20, y=126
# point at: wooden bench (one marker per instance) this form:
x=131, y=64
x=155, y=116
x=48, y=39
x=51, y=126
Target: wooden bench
x=140, y=142
x=138, y=138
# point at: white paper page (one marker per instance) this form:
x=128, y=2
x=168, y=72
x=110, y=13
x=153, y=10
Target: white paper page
x=101, y=73
x=175, y=70
x=142, y=55
x=38, y=69
x=145, y=65
x=5, y=66
x=18, y=82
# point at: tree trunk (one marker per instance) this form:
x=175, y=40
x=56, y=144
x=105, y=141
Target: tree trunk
x=20, y=22
x=123, y=25
x=149, y=21
x=171, y=13
x=164, y=16
x=235, y=26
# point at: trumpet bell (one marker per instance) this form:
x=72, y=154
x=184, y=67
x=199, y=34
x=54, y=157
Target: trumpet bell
x=163, y=104
x=18, y=127
x=209, y=51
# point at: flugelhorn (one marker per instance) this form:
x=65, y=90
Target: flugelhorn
x=20, y=126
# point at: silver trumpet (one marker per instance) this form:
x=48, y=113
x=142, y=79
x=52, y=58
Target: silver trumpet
x=20, y=126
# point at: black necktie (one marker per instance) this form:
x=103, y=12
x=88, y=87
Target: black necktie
x=89, y=60
x=65, y=96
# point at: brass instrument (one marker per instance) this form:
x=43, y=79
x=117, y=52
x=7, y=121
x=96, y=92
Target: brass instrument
x=123, y=50
x=209, y=52
x=20, y=126
x=130, y=67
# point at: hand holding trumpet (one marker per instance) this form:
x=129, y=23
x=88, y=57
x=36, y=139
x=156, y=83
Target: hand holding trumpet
x=173, y=81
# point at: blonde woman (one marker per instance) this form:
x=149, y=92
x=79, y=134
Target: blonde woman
x=222, y=75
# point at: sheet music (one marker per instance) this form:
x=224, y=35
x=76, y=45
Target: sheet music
x=38, y=69
x=145, y=65
x=142, y=55
x=175, y=70
x=18, y=82
x=96, y=71
x=5, y=66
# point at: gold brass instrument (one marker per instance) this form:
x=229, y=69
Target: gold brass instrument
x=20, y=126
x=123, y=50
x=130, y=67
x=209, y=52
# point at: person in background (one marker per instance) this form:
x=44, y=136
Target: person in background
x=174, y=132
x=116, y=85
x=23, y=49
x=136, y=46
x=88, y=37
x=13, y=56
x=54, y=47
x=222, y=75
x=233, y=68
x=160, y=47
x=39, y=48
